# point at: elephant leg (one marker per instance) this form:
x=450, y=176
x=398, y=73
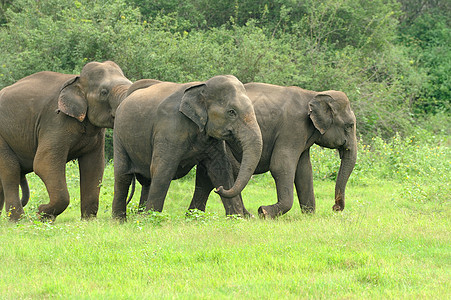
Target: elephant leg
x=144, y=195
x=202, y=190
x=162, y=171
x=9, y=197
x=50, y=165
x=91, y=167
x=220, y=172
x=282, y=169
x=122, y=181
x=9, y=182
x=304, y=183
x=159, y=187
x=121, y=186
x=145, y=186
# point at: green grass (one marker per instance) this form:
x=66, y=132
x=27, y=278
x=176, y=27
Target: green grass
x=391, y=241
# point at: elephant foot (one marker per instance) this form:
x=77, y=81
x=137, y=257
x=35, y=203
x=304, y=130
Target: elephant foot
x=89, y=213
x=121, y=220
x=307, y=209
x=337, y=207
x=15, y=214
x=339, y=203
x=46, y=218
x=120, y=216
x=49, y=212
x=266, y=212
x=194, y=212
x=262, y=213
x=89, y=217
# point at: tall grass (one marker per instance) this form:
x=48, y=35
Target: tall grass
x=391, y=241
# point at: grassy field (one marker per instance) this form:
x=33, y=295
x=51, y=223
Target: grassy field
x=391, y=241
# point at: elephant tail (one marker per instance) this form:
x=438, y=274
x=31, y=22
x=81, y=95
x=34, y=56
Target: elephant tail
x=133, y=190
x=25, y=190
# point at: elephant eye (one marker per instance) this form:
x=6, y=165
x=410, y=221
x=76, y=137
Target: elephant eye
x=349, y=126
x=103, y=92
x=232, y=113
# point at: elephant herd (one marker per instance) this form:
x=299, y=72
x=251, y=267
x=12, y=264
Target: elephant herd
x=161, y=130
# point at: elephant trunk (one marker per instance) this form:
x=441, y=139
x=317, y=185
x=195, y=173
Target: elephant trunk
x=250, y=139
x=120, y=92
x=348, y=155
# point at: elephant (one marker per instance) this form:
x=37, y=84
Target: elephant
x=48, y=119
x=291, y=120
x=161, y=132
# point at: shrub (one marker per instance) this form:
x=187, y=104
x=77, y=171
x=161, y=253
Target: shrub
x=349, y=45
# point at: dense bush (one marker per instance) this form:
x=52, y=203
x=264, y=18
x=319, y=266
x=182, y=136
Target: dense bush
x=62, y=35
x=392, y=61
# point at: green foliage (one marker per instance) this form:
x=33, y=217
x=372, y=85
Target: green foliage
x=62, y=35
x=152, y=218
x=391, y=59
x=429, y=40
x=200, y=217
x=109, y=145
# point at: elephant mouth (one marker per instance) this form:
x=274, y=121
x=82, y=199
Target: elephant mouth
x=342, y=150
x=108, y=123
x=229, y=136
x=342, y=145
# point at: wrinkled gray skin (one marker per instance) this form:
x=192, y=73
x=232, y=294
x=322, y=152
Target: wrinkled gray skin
x=291, y=121
x=48, y=119
x=164, y=130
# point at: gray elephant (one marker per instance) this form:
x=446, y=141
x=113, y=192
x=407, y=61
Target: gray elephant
x=164, y=130
x=47, y=119
x=291, y=120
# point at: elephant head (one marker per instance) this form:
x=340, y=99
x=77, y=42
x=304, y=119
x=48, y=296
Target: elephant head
x=95, y=93
x=332, y=116
x=221, y=108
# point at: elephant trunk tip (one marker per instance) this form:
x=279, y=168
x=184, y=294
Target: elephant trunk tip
x=220, y=190
x=226, y=193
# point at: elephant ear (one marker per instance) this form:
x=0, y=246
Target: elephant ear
x=72, y=101
x=193, y=105
x=321, y=112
